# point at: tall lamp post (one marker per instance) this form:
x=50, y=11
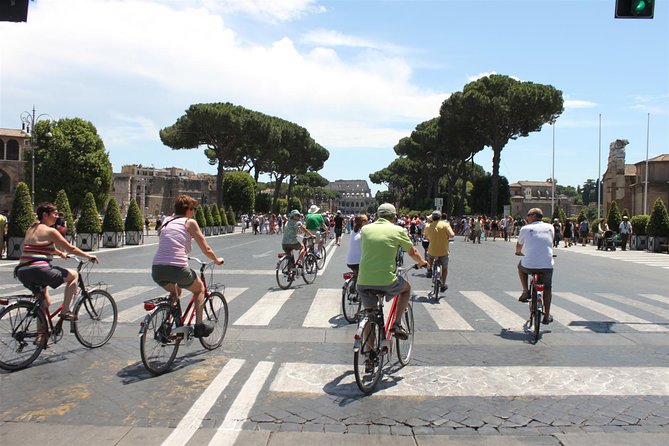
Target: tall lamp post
x=28, y=121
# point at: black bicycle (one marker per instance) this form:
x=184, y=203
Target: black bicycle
x=26, y=328
x=350, y=300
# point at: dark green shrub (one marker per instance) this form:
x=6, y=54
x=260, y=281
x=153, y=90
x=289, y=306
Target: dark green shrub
x=89, y=220
x=200, y=218
x=232, y=221
x=208, y=218
x=295, y=204
x=614, y=218
x=658, y=225
x=113, y=221
x=224, y=218
x=639, y=224
x=133, y=221
x=239, y=190
x=63, y=205
x=21, y=215
x=216, y=215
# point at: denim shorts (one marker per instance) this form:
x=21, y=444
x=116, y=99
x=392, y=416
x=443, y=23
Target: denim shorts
x=368, y=292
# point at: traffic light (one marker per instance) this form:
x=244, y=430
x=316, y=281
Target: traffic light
x=14, y=11
x=634, y=9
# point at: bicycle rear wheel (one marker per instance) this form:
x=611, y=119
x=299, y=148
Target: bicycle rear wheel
x=284, y=273
x=18, y=331
x=96, y=318
x=436, y=281
x=350, y=302
x=310, y=269
x=158, y=346
x=321, y=256
x=405, y=347
x=535, y=316
x=216, y=312
x=368, y=360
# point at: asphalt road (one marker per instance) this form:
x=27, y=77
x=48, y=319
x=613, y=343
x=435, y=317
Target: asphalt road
x=284, y=371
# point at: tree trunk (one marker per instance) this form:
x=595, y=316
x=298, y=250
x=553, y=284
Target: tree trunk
x=277, y=191
x=219, y=183
x=494, y=189
x=291, y=180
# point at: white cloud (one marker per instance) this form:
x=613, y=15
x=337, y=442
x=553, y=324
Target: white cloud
x=577, y=103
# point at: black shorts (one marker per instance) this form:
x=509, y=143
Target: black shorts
x=52, y=276
x=545, y=274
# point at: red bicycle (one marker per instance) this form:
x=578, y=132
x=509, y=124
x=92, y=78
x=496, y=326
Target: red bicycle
x=163, y=330
x=373, y=344
x=26, y=328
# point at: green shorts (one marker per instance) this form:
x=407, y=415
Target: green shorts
x=166, y=274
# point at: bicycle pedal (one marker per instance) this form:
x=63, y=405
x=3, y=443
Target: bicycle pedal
x=184, y=329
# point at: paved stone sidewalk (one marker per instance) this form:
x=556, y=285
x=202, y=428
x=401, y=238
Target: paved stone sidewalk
x=28, y=434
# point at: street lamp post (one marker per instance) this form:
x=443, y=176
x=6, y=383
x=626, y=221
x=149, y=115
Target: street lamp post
x=28, y=121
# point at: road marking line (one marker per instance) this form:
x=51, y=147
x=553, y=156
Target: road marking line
x=330, y=249
x=657, y=297
x=263, y=311
x=229, y=430
x=325, y=306
x=653, y=309
x=627, y=319
x=509, y=381
x=191, y=422
x=564, y=317
x=444, y=315
x=232, y=292
x=497, y=312
x=133, y=291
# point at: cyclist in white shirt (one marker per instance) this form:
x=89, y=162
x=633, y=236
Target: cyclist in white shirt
x=535, y=244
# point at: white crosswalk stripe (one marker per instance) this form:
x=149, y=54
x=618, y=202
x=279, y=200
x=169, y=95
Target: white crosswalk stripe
x=265, y=309
x=640, y=257
x=464, y=311
x=634, y=322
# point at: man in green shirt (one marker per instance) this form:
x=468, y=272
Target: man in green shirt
x=315, y=223
x=378, y=271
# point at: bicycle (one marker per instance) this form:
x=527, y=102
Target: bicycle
x=373, y=341
x=536, y=289
x=350, y=300
x=399, y=259
x=436, y=278
x=20, y=340
x=163, y=330
x=287, y=270
x=322, y=253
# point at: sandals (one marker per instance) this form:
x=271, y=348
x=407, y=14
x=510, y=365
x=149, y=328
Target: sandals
x=68, y=316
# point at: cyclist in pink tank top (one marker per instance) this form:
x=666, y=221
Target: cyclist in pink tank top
x=170, y=264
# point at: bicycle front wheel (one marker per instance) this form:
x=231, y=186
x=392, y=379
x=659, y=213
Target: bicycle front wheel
x=368, y=360
x=310, y=269
x=405, y=347
x=96, y=319
x=215, y=312
x=158, y=346
x=350, y=303
x=18, y=332
x=284, y=273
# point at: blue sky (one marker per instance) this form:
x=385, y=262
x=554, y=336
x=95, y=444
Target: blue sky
x=359, y=75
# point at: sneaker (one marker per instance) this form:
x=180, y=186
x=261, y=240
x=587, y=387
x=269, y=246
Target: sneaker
x=547, y=319
x=525, y=297
x=369, y=366
x=428, y=274
x=400, y=333
x=68, y=316
x=443, y=288
x=203, y=330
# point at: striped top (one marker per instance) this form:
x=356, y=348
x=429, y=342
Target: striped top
x=36, y=256
x=174, y=243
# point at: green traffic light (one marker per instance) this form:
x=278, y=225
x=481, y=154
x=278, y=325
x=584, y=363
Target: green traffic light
x=638, y=6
